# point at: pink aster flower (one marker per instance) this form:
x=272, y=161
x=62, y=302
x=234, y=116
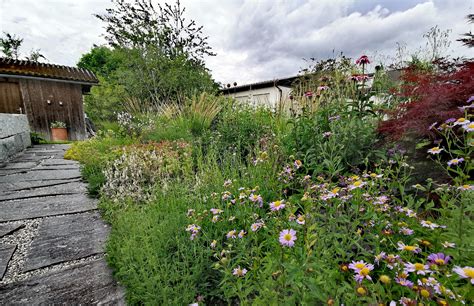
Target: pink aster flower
x=468, y=127
x=216, y=211
x=356, y=184
x=409, y=248
x=227, y=183
x=466, y=187
x=439, y=259
x=466, y=272
x=455, y=161
x=297, y=163
x=392, y=261
x=418, y=268
x=356, y=266
x=432, y=126
x=215, y=218
x=256, y=226
x=435, y=150
x=404, y=282
x=300, y=220
x=447, y=245
x=277, y=205
x=256, y=198
x=242, y=234
x=462, y=121
x=361, y=270
x=288, y=237
x=429, y=224
x=194, y=230
x=213, y=244
x=406, y=231
x=239, y=272
x=363, y=60
x=232, y=234
x=380, y=257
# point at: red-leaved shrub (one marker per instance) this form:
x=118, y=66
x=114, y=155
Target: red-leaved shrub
x=433, y=96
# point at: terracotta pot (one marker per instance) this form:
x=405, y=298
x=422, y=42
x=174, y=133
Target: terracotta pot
x=58, y=134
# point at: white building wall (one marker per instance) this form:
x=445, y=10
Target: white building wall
x=268, y=97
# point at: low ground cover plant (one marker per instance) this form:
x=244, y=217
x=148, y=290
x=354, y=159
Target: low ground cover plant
x=252, y=206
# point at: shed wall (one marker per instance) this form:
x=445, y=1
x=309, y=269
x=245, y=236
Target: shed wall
x=48, y=101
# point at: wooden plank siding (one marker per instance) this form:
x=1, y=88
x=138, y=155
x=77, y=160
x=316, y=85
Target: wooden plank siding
x=36, y=93
x=10, y=98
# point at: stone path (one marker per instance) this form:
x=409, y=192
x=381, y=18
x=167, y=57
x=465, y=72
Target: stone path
x=51, y=235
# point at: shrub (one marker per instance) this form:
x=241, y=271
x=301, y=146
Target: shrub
x=94, y=154
x=240, y=129
x=430, y=96
x=312, y=247
x=331, y=143
x=140, y=167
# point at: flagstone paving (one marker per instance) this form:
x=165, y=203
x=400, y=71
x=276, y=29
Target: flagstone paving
x=52, y=239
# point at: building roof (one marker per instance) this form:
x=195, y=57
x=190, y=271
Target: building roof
x=393, y=75
x=31, y=69
x=286, y=82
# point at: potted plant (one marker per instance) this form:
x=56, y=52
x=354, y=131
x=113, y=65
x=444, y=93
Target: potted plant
x=58, y=131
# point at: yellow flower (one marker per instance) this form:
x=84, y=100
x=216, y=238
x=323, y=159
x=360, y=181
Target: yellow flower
x=425, y=293
x=385, y=279
x=361, y=291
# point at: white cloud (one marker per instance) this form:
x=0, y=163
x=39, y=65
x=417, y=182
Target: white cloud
x=254, y=40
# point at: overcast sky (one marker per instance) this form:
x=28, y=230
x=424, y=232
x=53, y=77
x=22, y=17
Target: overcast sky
x=255, y=40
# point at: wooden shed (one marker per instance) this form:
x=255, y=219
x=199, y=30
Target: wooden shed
x=45, y=93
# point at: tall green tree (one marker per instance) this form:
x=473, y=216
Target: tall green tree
x=145, y=23
x=156, y=56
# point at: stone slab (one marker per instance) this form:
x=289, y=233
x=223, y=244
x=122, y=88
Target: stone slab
x=7, y=229
x=12, y=145
x=4, y=172
x=28, y=157
x=20, y=165
x=56, y=167
x=41, y=175
x=66, y=238
x=6, y=253
x=58, y=162
x=62, y=189
x=90, y=283
x=13, y=186
x=58, y=146
x=45, y=206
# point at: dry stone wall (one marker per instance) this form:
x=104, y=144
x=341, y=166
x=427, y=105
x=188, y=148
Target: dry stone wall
x=14, y=135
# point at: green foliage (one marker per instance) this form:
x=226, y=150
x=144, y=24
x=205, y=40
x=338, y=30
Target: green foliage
x=331, y=143
x=57, y=124
x=150, y=253
x=143, y=166
x=36, y=138
x=102, y=60
x=142, y=24
x=240, y=128
x=10, y=45
x=94, y=154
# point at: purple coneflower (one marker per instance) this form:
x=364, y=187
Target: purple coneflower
x=363, y=60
